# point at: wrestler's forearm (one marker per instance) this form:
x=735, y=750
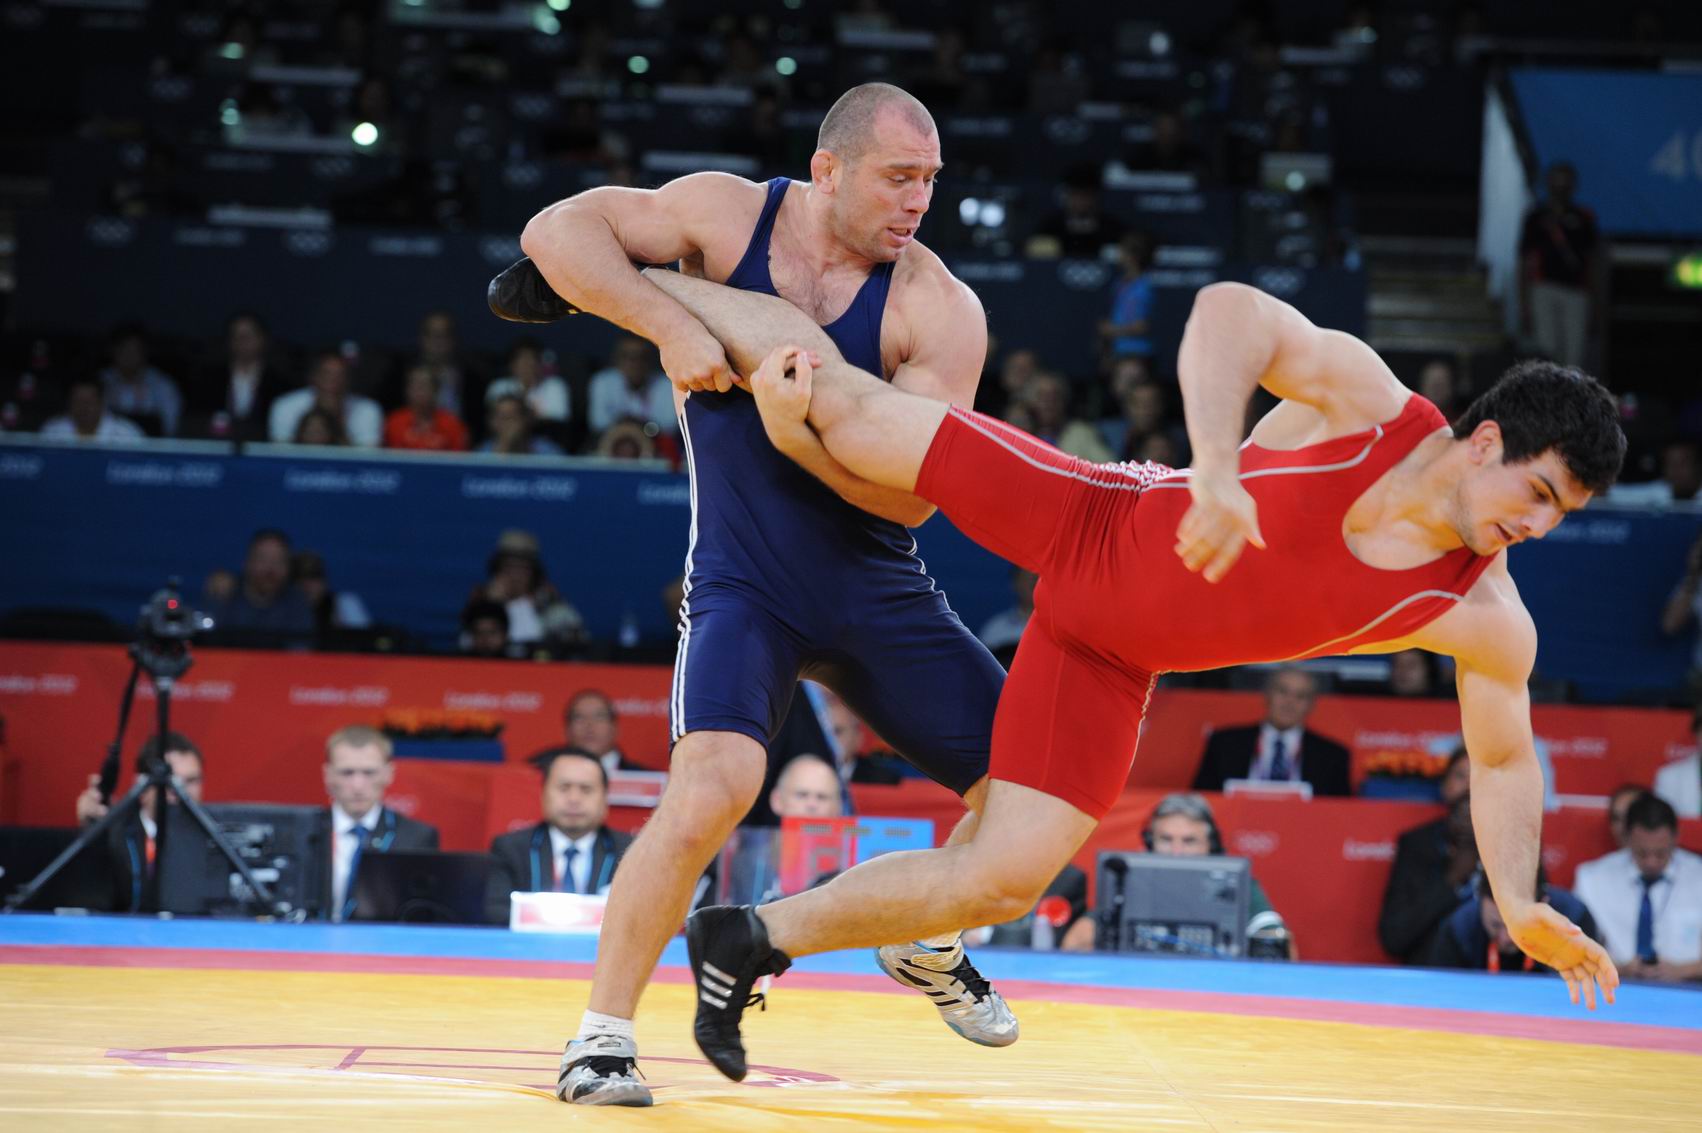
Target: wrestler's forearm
x=575, y=249
x=1507, y=818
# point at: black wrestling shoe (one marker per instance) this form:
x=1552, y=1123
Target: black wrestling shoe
x=521, y=295
x=729, y=952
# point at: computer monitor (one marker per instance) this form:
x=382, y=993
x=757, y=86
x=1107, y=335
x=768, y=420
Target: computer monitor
x=421, y=887
x=1192, y=906
x=281, y=845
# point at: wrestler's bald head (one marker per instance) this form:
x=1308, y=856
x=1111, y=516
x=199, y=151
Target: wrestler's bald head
x=851, y=124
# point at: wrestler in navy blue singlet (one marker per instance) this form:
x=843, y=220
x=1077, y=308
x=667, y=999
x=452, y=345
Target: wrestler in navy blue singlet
x=785, y=580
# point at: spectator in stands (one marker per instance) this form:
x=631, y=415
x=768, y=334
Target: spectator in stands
x=1414, y=673
x=631, y=386
x=1015, y=371
x=1047, y=398
x=233, y=397
x=1679, y=483
x=1146, y=415
x=593, y=724
x=627, y=440
x=358, y=770
x=264, y=600
x=1127, y=333
x=86, y=419
x=545, y=394
x=1683, y=610
x=808, y=787
x=1057, y=83
x=1647, y=898
x=1183, y=825
x=1080, y=229
x=1560, y=271
x=571, y=850
x=137, y=390
x=1169, y=150
x=1281, y=748
x=1475, y=937
x=422, y=423
x=332, y=609
x=484, y=629
x=537, y=613
x=328, y=389
x=1618, y=805
x=1434, y=866
x=1002, y=631
x=1440, y=385
x=510, y=423
x=460, y=383
x=130, y=844
x=322, y=428
x=1680, y=782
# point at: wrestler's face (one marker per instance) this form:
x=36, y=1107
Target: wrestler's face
x=1500, y=504
x=879, y=196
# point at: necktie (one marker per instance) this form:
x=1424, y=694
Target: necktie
x=1646, y=924
x=564, y=883
x=362, y=836
x=1279, y=759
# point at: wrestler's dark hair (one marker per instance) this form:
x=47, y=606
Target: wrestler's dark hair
x=1541, y=406
x=850, y=122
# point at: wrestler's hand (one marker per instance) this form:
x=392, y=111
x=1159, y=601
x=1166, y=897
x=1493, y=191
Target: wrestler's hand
x=1551, y=939
x=781, y=386
x=1221, y=522
x=694, y=360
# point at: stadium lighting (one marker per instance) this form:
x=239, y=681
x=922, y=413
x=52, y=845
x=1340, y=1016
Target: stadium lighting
x=561, y=5
x=638, y=64
x=229, y=113
x=786, y=65
x=364, y=134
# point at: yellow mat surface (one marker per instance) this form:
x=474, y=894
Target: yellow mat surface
x=143, y=1049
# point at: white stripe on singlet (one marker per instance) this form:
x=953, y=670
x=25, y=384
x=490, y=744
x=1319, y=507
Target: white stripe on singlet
x=1378, y=620
x=1291, y=470
x=677, y=696
x=1140, y=477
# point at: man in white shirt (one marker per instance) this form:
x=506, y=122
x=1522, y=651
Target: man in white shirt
x=1647, y=898
x=328, y=389
x=357, y=773
x=86, y=419
x=631, y=386
x=570, y=850
x=1680, y=783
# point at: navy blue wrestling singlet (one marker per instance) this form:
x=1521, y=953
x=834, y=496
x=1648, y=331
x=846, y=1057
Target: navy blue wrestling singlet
x=784, y=580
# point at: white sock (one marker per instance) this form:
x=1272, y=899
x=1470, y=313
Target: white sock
x=592, y=1024
x=945, y=941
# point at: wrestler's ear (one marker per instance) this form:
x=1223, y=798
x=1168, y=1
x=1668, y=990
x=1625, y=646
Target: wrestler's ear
x=1484, y=443
x=824, y=171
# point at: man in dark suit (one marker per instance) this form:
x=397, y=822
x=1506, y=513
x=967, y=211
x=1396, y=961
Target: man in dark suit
x=231, y=398
x=593, y=728
x=1280, y=749
x=571, y=850
x=130, y=844
x=357, y=773
x=1433, y=871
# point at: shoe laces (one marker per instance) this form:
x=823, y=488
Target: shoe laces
x=612, y=1066
x=971, y=979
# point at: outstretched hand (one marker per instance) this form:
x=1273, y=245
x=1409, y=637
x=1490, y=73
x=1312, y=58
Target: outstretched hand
x=1549, y=938
x=781, y=386
x=1219, y=525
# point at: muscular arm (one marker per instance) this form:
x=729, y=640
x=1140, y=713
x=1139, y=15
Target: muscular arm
x=750, y=325
x=585, y=247
x=1238, y=337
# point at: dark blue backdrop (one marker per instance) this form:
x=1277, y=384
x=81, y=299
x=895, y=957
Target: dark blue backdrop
x=411, y=534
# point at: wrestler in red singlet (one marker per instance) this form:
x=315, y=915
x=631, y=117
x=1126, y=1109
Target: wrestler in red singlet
x=1116, y=606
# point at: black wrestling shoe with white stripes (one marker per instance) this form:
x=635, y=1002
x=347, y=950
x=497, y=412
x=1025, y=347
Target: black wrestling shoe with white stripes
x=601, y=1070
x=729, y=951
x=521, y=295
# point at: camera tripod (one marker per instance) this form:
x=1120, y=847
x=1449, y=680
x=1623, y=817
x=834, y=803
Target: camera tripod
x=165, y=658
